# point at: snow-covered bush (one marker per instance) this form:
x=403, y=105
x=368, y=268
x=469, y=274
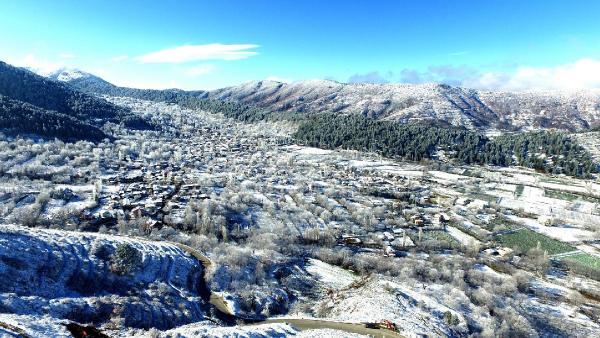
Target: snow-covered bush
x=125, y=259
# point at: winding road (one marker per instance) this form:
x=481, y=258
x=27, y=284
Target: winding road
x=302, y=324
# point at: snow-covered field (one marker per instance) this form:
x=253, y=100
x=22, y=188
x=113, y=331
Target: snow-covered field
x=12, y=325
x=571, y=235
x=209, y=330
x=331, y=276
x=463, y=238
x=415, y=313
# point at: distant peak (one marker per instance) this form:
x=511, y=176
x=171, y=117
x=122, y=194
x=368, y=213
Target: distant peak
x=67, y=74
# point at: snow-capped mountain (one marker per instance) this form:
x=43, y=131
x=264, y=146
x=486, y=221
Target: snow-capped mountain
x=471, y=108
x=67, y=74
x=411, y=102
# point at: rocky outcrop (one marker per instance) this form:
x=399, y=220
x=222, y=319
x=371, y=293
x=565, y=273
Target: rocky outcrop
x=99, y=279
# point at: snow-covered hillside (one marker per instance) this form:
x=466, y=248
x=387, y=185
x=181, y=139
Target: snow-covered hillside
x=458, y=106
x=67, y=74
x=413, y=102
x=99, y=279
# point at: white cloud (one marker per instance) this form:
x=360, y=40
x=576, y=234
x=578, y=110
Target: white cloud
x=582, y=74
x=188, y=53
x=459, y=53
x=371, y=77
x=40, y=66
x=578, y=75
x=200, y=70
x=119, y=58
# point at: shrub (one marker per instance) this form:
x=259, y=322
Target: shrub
x=451, y=319
x=28, y=216
x=125, y=259
x=101, y=250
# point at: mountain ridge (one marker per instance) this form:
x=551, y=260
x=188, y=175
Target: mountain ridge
x=459, y=106
x=33, y=104
x=472, y=108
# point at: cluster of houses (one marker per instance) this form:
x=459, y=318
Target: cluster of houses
x=391, y=240
x=141, y=186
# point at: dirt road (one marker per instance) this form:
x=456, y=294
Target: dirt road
x=302, y=324
x=309, y=324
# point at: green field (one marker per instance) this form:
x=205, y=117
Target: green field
x=472, y=173
x=553, y=180
x=439, y=235
x=585, y=259
x=526, y=239
x=567, y=196
x=519, y=190
x=483, y=197
x=502, y=223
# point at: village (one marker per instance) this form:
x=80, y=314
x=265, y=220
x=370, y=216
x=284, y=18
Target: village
x=205, y=178
x=396, y=204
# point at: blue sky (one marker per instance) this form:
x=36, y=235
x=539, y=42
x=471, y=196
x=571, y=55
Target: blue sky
x=506, y=44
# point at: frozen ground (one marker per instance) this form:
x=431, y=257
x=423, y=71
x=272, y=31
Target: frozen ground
x=209, y=330
x=380, y=299
x=331, y=276
x=12, y=325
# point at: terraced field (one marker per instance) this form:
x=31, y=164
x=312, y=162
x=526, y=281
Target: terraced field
x=567, y=196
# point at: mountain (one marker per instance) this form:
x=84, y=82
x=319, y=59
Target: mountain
x=67, y=74
x=30, y=101
x=189, y=99
x=17, y=117
x=92, y=84
x=470, y=108
x=458, y=106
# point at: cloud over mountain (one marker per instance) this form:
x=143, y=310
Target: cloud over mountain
x=581, y=74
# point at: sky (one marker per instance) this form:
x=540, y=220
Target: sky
x=493, y=44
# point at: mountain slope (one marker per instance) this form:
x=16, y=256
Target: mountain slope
x=19, y=84
x=404, y=102
x=89, y=83
x=27, y=95
x=457, y=106
x=189, y=99
x=17, y=117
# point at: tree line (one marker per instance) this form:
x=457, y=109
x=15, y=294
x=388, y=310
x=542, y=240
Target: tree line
x=549, y=152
